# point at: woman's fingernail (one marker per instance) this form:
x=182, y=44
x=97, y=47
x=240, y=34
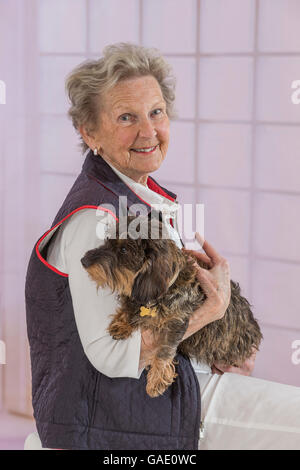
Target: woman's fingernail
x=199, y=238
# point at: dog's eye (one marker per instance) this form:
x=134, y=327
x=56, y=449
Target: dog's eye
x=123, y=249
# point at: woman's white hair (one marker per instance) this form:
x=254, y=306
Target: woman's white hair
x=86, y=83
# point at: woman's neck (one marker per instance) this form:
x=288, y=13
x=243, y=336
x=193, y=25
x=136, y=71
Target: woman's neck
x=141, y=179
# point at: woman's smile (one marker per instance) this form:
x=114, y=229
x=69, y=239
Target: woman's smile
x=145, y=150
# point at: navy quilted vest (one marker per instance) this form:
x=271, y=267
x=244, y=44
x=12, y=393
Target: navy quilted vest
x=75, y=406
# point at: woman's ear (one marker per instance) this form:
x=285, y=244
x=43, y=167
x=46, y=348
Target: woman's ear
x=88, y=138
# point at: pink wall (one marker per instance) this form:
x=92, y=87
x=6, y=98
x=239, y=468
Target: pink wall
x=234, y=147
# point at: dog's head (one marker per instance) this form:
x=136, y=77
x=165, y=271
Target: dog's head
x=134, y=264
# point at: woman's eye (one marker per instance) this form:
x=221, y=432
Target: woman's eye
x=129, y=117
x=124, y=117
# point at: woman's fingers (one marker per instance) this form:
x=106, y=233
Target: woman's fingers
x=244, y=369
x=207, y=282
x=210, y=257
x=200, y=256
x=207, y=247
x=199, y=239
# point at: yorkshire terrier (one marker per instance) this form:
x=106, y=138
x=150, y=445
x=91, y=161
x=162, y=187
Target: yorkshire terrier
x=158, y=290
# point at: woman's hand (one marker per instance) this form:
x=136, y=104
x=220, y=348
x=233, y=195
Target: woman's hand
x=244, y=369
x=214, y=281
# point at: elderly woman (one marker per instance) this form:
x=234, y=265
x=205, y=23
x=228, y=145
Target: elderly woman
x=89, y=390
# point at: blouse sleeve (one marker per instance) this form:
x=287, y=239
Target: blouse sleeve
x=93, y=308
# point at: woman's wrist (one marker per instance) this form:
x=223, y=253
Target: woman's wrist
x=147, y=348
x=200, y=318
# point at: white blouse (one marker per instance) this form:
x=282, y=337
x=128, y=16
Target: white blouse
x=93, y=308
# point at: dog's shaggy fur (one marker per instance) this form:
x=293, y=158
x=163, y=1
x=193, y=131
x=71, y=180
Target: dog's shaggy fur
x=156, y=274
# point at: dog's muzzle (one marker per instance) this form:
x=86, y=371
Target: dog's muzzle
x=84, y=262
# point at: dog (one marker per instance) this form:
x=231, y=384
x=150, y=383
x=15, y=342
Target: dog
x=158, y=290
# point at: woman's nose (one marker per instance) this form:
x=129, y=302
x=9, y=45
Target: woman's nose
x=147, y=129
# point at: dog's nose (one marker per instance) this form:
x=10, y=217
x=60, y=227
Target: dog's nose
x=85, y=262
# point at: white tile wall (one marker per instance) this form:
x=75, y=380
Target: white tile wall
x=233, y=26
x=276, y=292
x=53, y=72
x=59, y=151
x=227, y=219
x=279, y=26
x=277, y=159
x=14, y=430
x=185, y=72
x=239, y=271
x=275, y=226
x=274, y=360
x=170, y=25
x=273, y=95
x=112, y=21
x=225, y=88
x=58, y=30
x=224, y=154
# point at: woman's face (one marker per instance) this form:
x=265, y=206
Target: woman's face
x=133, y=117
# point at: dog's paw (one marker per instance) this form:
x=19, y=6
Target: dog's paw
x=155, y=390
x=160, y=376
x=119, y=331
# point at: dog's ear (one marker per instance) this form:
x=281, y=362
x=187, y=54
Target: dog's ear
x=152, y=282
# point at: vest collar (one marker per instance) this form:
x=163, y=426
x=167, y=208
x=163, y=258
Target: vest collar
x=96, y=167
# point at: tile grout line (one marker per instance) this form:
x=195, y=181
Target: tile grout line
x=191, y=54
x=197, y=193
x=252, y=153
x=291, y=329
x=87, y=20
x=141, y=12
